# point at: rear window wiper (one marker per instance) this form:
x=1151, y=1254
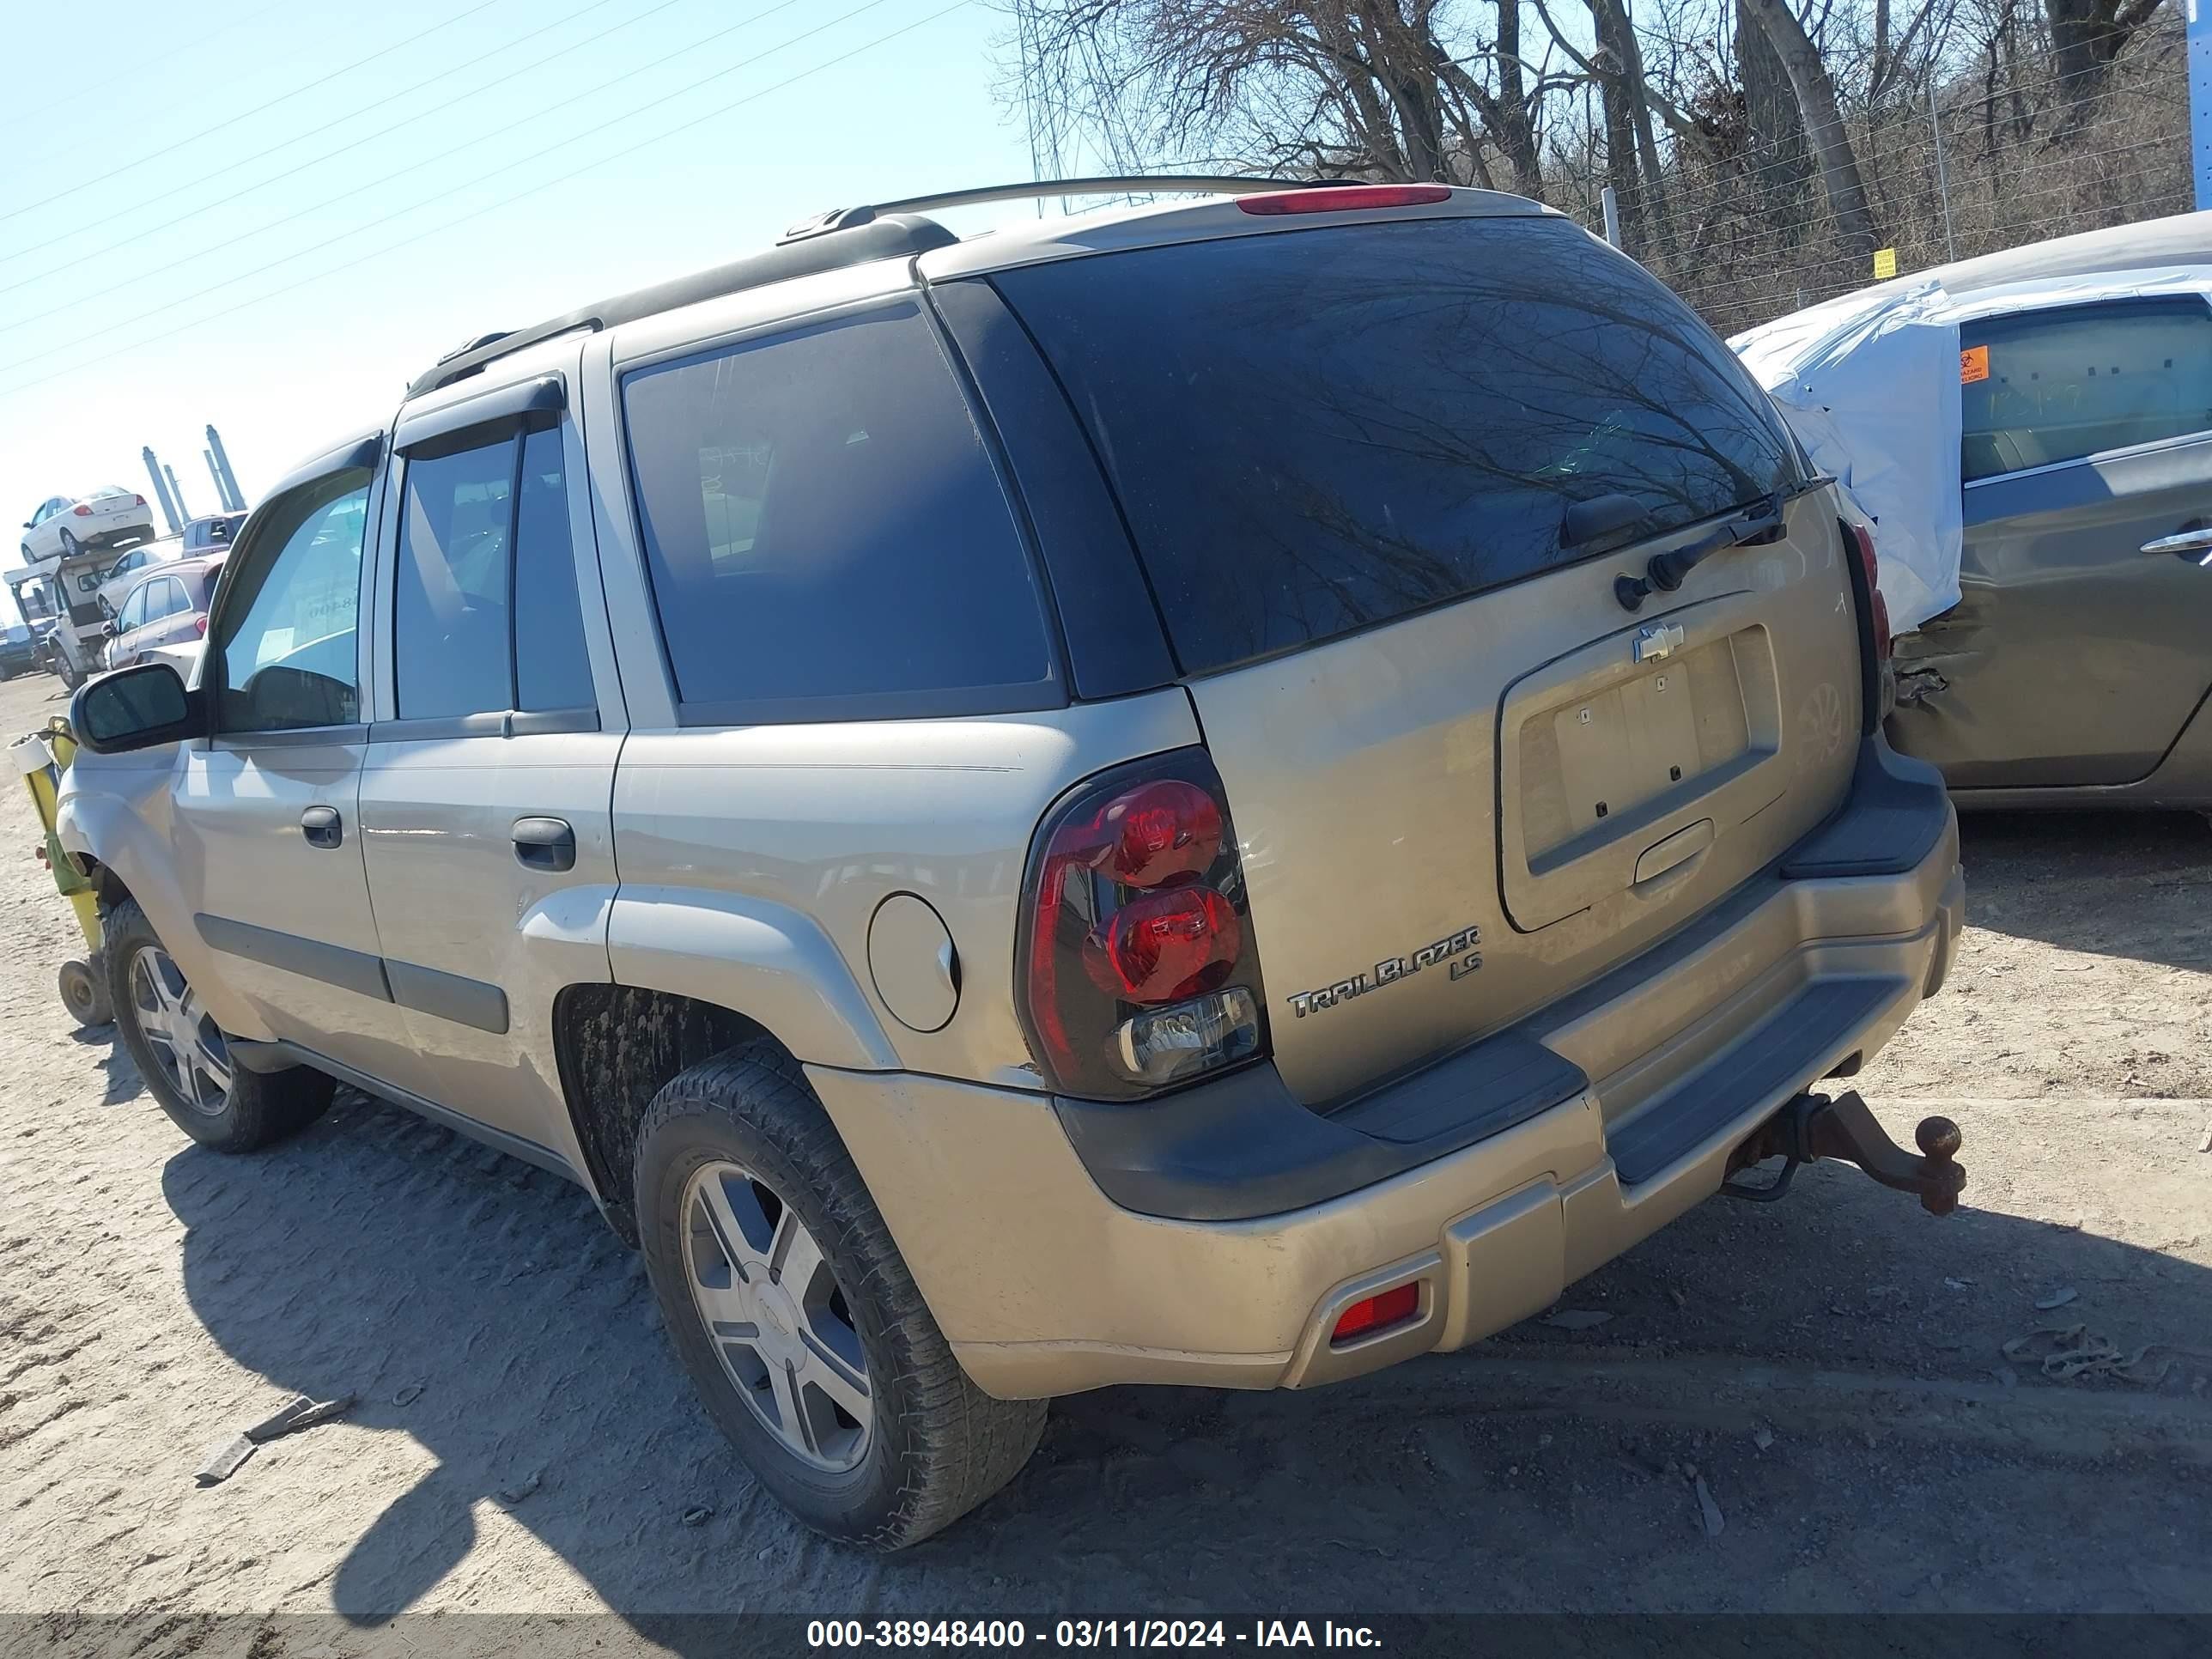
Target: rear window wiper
x=1755, y=523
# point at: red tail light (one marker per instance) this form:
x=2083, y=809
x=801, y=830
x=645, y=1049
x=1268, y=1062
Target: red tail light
x=138, y=501
x=1165, y=946
x=82, y=510
x=1137, y=968
x=199, y=624
x=1343, y=198
x=1862, y=542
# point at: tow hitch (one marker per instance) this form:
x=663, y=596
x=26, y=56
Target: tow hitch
x=1813, y=1127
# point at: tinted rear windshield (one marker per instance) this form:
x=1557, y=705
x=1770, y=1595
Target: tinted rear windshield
x=1315, y=431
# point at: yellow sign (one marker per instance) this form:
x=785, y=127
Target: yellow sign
x=1973, y=365
x=1885, y=263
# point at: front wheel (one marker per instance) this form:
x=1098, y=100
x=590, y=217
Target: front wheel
x=65, y=667
x=795, y=1316
x=181, y=1052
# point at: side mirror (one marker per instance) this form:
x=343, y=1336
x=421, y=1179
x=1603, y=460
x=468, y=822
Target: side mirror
x=136, y=708
x=108, y=628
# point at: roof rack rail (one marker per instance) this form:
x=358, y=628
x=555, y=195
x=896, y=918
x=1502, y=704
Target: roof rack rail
x=884, y=235
x=1135, y=184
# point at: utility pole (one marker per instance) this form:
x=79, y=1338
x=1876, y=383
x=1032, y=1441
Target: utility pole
x=222, y=494
x=162, y=490
x=178, y=492
x=226, y=480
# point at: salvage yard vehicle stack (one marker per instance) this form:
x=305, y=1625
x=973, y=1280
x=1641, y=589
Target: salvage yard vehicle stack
x=1221, y=795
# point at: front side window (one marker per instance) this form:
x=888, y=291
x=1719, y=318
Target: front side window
x=1317, y=431
x=2043, y=387
x=286, y=639
x=134, y=610
x=823, y=528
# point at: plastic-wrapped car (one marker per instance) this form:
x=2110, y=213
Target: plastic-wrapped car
x=2031, y=434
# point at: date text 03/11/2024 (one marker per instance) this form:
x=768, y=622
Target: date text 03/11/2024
x=1081, y=1633
x=1458, y=949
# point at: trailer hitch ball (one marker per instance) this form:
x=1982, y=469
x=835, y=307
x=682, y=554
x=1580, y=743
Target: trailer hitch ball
x=1812, y=1127
x=1938, y=1141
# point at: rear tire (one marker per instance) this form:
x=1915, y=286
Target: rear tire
x=71, y=546
x=739, y=1141
x=172, y=1039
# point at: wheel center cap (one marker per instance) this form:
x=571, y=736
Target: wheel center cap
x=779, y=1319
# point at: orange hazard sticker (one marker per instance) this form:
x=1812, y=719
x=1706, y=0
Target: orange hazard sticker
x=1973, y=365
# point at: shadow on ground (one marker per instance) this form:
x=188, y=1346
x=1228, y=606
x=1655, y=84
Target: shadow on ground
x=381, y=1256
x=118, y=1074
x=2114, y=883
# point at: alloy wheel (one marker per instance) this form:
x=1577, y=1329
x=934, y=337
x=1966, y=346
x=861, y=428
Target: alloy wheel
x=184, y=1039
x=777, y=1317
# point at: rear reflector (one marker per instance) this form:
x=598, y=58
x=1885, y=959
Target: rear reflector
x=1375, y=1313
x=1344, y=198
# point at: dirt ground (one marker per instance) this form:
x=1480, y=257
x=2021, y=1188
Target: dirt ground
x=1832, y=1368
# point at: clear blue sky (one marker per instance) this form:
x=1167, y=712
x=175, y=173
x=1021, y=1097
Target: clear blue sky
x=162, y=97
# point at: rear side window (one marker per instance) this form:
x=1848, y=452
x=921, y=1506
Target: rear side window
x=449, y=629
x=487, y=617
x=2056, y=386
x=552, y=668
x=825, y=533
x=1315, y=431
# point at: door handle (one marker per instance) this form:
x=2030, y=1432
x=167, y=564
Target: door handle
x=545, y=844
x=2190, y=543
x=322, y=826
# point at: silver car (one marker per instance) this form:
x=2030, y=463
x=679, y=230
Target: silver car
x=1221, y=794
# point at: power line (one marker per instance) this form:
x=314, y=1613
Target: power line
x=161, y=197
x=465, y=184
x=476, y=214
x=161, y=60
x=242, y=115
x=322, y=203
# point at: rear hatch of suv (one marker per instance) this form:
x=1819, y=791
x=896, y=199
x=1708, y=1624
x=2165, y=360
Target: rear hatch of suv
x=1465, y=776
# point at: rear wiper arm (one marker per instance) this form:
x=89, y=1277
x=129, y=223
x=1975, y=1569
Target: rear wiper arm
x=1754, y=525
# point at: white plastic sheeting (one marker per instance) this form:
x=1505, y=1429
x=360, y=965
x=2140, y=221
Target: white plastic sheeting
x=1869, y=382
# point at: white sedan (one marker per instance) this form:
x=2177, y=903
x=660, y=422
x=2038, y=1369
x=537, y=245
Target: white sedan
x=64, y=525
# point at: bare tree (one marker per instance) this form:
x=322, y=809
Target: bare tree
x=2088, y=34
x=1761, y=148
x=1411, y=89
x=1823, y=120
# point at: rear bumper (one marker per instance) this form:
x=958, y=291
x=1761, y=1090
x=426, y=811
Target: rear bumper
x=1061, y=1251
